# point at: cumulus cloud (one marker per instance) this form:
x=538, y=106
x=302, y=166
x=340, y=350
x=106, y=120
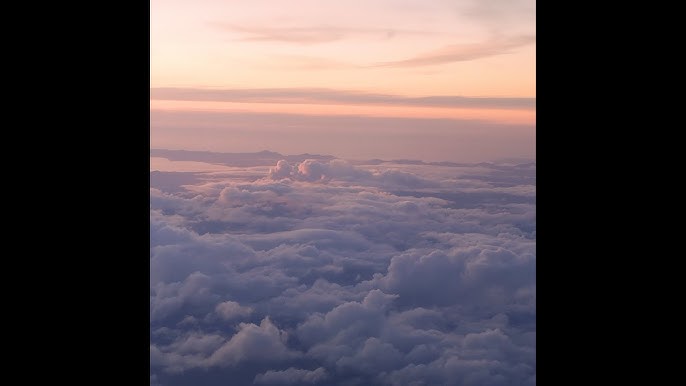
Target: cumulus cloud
x=312, y=170
x=231, y=310
x=291, y=376
x=315, y=170
x=263, y=342
x=282, y=170
x=320, y=271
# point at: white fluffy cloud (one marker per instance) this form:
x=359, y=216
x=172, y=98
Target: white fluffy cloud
x=263, y=342
x=315, y=170
x=328, y=272
x=229, y=310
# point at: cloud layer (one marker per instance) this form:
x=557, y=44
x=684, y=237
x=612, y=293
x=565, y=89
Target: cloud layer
x=465, y=52
x=308, y=35
x=324, y=96
x=320, y=271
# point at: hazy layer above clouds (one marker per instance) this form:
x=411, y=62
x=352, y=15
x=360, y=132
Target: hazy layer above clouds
x=349, y=136
x=297, y=270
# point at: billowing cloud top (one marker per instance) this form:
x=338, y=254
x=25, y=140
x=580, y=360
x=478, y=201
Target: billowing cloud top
x=322, y=271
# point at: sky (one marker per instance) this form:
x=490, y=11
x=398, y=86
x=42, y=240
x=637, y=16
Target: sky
x=270, y=269
x=343, y=192
x=361, y=79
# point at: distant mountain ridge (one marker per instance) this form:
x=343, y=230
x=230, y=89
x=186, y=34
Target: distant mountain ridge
x=264, y=157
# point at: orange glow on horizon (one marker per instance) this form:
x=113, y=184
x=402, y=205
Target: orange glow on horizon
x=401, y=67
x=495, y=115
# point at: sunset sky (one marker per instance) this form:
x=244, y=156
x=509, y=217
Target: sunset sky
x=433, y=80
x=324, y=241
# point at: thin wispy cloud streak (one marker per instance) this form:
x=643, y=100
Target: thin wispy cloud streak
x=305, y=62
x=332, y=96
x=309, y=35
x=318, y=122
x=499, y=13
x=464, y=52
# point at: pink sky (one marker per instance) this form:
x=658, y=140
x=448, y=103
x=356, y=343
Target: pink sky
x=363, y=59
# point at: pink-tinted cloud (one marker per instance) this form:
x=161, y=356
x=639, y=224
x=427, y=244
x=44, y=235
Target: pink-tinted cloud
x=464, y=52
x=332, y=96
x=308, y=35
